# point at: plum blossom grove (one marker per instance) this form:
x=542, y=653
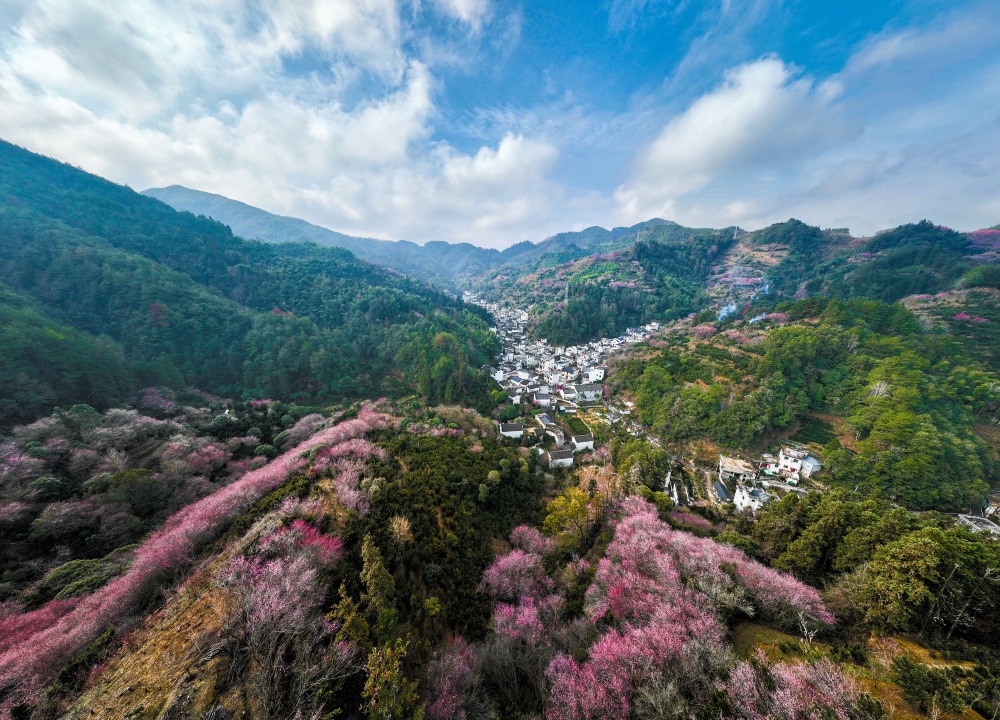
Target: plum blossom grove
x=46, y=638
x=276, y=622
x=654, y=617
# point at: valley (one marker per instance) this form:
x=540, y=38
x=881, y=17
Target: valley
x=739, y=474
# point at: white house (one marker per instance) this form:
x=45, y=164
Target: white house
x=790, y=460
x=582, y=442
x=511, y=430
x=751, y=499
x=558, y=458
x=588, y=392
x=542, y=399
x=810, y=465
x=593, y=374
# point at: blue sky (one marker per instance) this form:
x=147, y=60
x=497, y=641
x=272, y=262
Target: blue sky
x=495, y=122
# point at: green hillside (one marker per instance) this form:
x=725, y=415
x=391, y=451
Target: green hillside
x=234, y=317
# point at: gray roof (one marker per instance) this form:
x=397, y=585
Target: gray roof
x=721, y=492
x=511, y=427
x=583, y=438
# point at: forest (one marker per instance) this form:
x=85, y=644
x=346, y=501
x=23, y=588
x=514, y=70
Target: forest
x=911, y=397
x=340, y=562
x=175, y=299
x=582, y=296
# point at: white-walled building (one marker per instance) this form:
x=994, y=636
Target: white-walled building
x=558, y=458
x=512, y=430
x=810, y=465
x=750, y=499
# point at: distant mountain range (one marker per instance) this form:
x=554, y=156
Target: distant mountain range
x=444, y=263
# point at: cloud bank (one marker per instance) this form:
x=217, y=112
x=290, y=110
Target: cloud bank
x=446, y=119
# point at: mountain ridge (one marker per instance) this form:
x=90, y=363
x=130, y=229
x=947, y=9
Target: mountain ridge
x=449, y=264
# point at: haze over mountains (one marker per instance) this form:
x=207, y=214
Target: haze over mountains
x=441, y=262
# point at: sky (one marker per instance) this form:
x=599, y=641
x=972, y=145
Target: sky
x=494, y=122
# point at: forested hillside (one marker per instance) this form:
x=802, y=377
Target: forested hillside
x=267, y=561
x=664, y=271
x=577, y=295
x=908, y=397
x=182, y=300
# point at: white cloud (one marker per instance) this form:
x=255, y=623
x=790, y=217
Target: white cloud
x=471, y=12
x=909, y=128
x=488, y=198
x=309, y=108
x=762, y=115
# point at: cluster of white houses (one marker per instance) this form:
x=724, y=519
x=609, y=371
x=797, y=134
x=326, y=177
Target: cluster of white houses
x=566, y=446
x=550, y=376
x=792, y=464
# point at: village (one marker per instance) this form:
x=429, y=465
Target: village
x=563, y=387
x=559, y=394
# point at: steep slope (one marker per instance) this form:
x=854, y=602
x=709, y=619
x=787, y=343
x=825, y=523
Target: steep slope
x=233, y=316
x=46, y=363
x=664, y=271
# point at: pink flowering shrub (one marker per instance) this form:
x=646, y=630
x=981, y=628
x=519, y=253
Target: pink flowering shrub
x=691, y=520
x=296, y=508
x=451, y=677
x=700, y=332
x=199, y=456
x=29, y=663
x=276, y=595
x=155, y=400
x=16, y=466
x=125, y=429
x=304, y=428
x=358, y=448
x=960, y=316
x=658, y=592
x=792, y=691
x=325, y=550
x=532, y=620
x=516, y=575
x=531, y=540
x=16, y=627
x=347, y=483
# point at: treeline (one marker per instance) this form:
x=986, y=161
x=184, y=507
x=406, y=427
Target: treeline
x=910, y=259
x=211, y=310
x=910, y=398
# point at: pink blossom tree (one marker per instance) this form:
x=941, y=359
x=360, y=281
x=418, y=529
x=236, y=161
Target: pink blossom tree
x=29, y=663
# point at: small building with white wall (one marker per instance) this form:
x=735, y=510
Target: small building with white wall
x=511, y=430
